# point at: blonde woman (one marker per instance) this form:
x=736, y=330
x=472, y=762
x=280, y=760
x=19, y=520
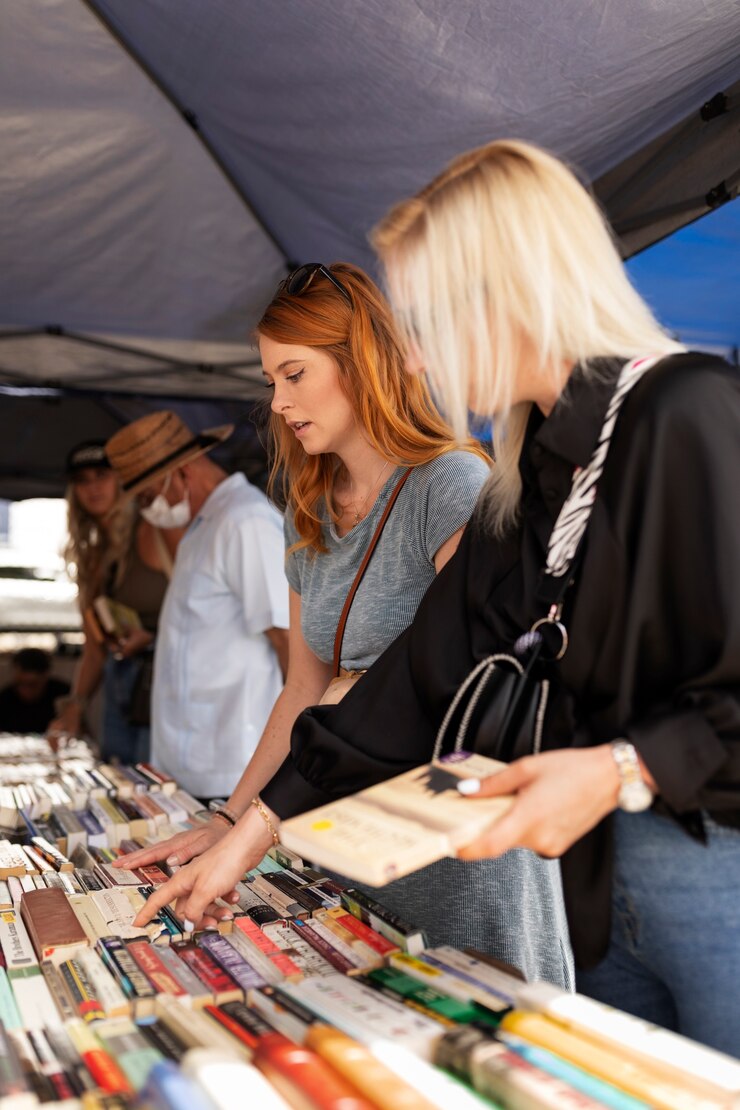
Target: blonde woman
x=515, y=303
x=347, y=425
x=113, y=552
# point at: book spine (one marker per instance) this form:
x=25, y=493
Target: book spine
x=329, y=953
x=229, y=959
x=604, y=1093
x=243, y=1030
x=443, y=1007
x=125, y=1044
x=675, y=1055
x=282, y=1012
x=301, y=954
x=363, y=955
x=112, y=1000
x=499, y=1074
x=363, y=932
x=9, y=1016
x=20, y=958
x=200, y=963
x=384, y=921
x=101, y=1065
x=507, y=987
x=609, y=1065
x=50, y=1067
x=262, y=962
x=456, y=984
x=58, y=991
x=81, y=992
x=126, y=972
x=190, y=984
x=150, y=964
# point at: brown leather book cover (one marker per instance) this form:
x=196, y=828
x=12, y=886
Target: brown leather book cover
x=52, y=924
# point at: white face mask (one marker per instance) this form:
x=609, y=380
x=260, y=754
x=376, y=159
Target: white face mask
x=161, y=514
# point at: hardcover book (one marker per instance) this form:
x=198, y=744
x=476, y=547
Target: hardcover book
x=52, y=924
x=398, y=826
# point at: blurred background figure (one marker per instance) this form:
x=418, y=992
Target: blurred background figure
x=27, y=704
x=115, y=554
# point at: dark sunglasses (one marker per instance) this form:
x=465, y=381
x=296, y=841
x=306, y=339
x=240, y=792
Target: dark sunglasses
x=299, y=280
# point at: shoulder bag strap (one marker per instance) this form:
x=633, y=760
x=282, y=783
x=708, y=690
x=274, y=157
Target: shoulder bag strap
x=362, y=568
x=574, y=516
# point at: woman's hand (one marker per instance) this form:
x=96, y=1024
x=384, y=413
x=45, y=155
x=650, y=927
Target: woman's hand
x=214, y=875
x=560, y=796
x=67, y=723
x=133, y=643
x=178, y=849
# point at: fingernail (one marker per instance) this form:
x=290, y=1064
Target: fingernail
x=210, y=928
x=227, y=917
x=189, y=926
x=469, y=786
x=172, y=861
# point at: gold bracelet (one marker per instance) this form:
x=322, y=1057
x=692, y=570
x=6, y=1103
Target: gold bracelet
x=267, y=819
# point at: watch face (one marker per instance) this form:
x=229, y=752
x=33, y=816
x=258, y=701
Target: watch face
x=635, y=797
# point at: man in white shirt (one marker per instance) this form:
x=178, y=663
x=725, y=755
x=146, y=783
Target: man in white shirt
x=222, y=641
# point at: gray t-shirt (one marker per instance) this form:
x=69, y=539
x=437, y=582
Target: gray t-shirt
x=437, y=499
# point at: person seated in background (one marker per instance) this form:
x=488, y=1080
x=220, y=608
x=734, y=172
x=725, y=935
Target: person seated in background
x=27, y=704
x=222, y=644
x=112, y=552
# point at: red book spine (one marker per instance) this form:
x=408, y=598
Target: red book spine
x=207, y=970
x=297, y=1071
x=363, y=932
x=280, y=958
x=148, y=961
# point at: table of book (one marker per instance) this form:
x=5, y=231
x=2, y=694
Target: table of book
x=314, y=996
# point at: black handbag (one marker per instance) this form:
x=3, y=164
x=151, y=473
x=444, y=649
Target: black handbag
x=499, y=709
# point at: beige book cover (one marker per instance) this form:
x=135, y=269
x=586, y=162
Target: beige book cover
x=398, y=826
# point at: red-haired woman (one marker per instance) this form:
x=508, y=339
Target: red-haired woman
x=347, y=423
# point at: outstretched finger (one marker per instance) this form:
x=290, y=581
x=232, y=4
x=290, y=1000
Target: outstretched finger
x=141, y=857
x=508, y=781
x=176, y=887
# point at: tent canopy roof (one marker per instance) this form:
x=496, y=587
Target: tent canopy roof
x=166, y=161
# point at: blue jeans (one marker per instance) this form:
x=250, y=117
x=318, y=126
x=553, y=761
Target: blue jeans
x=121, y=740
x=674, y=953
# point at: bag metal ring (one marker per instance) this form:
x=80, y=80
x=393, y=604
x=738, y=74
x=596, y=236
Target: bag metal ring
x=561, y=629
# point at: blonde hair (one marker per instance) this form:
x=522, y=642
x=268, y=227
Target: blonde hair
x=394, y=409
x=505, y=257
x=94, y=554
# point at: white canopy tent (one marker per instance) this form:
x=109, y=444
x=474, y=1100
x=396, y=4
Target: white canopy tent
x=164, y=162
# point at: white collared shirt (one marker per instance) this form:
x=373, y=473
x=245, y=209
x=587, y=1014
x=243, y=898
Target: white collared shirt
x=216, y=675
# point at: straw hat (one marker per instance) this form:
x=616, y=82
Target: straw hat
x=149, y=448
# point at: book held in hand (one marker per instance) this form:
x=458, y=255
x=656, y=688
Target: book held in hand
x=401, y=825
x=115, y=620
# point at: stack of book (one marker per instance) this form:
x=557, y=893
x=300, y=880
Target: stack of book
x=313, y=996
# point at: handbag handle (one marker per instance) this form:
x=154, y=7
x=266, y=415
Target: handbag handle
x=361, y=570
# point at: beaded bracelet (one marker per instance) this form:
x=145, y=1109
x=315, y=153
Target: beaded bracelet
x=267, y=819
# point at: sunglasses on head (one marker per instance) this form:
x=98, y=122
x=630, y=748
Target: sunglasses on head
x=299, y=280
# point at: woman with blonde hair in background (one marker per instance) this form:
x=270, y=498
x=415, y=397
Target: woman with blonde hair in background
x=112, y=552
x=617, y=459
x=350, y=430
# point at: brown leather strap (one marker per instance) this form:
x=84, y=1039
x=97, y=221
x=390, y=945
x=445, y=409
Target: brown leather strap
x=362, y=568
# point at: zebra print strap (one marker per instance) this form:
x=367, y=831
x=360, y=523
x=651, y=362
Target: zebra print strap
x=575, y=513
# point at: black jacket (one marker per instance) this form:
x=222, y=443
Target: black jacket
x=654, y=619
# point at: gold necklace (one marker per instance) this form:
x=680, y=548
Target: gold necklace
x=362, y=503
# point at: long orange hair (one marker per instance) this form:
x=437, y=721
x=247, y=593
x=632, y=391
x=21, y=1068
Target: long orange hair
x=394, y=408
